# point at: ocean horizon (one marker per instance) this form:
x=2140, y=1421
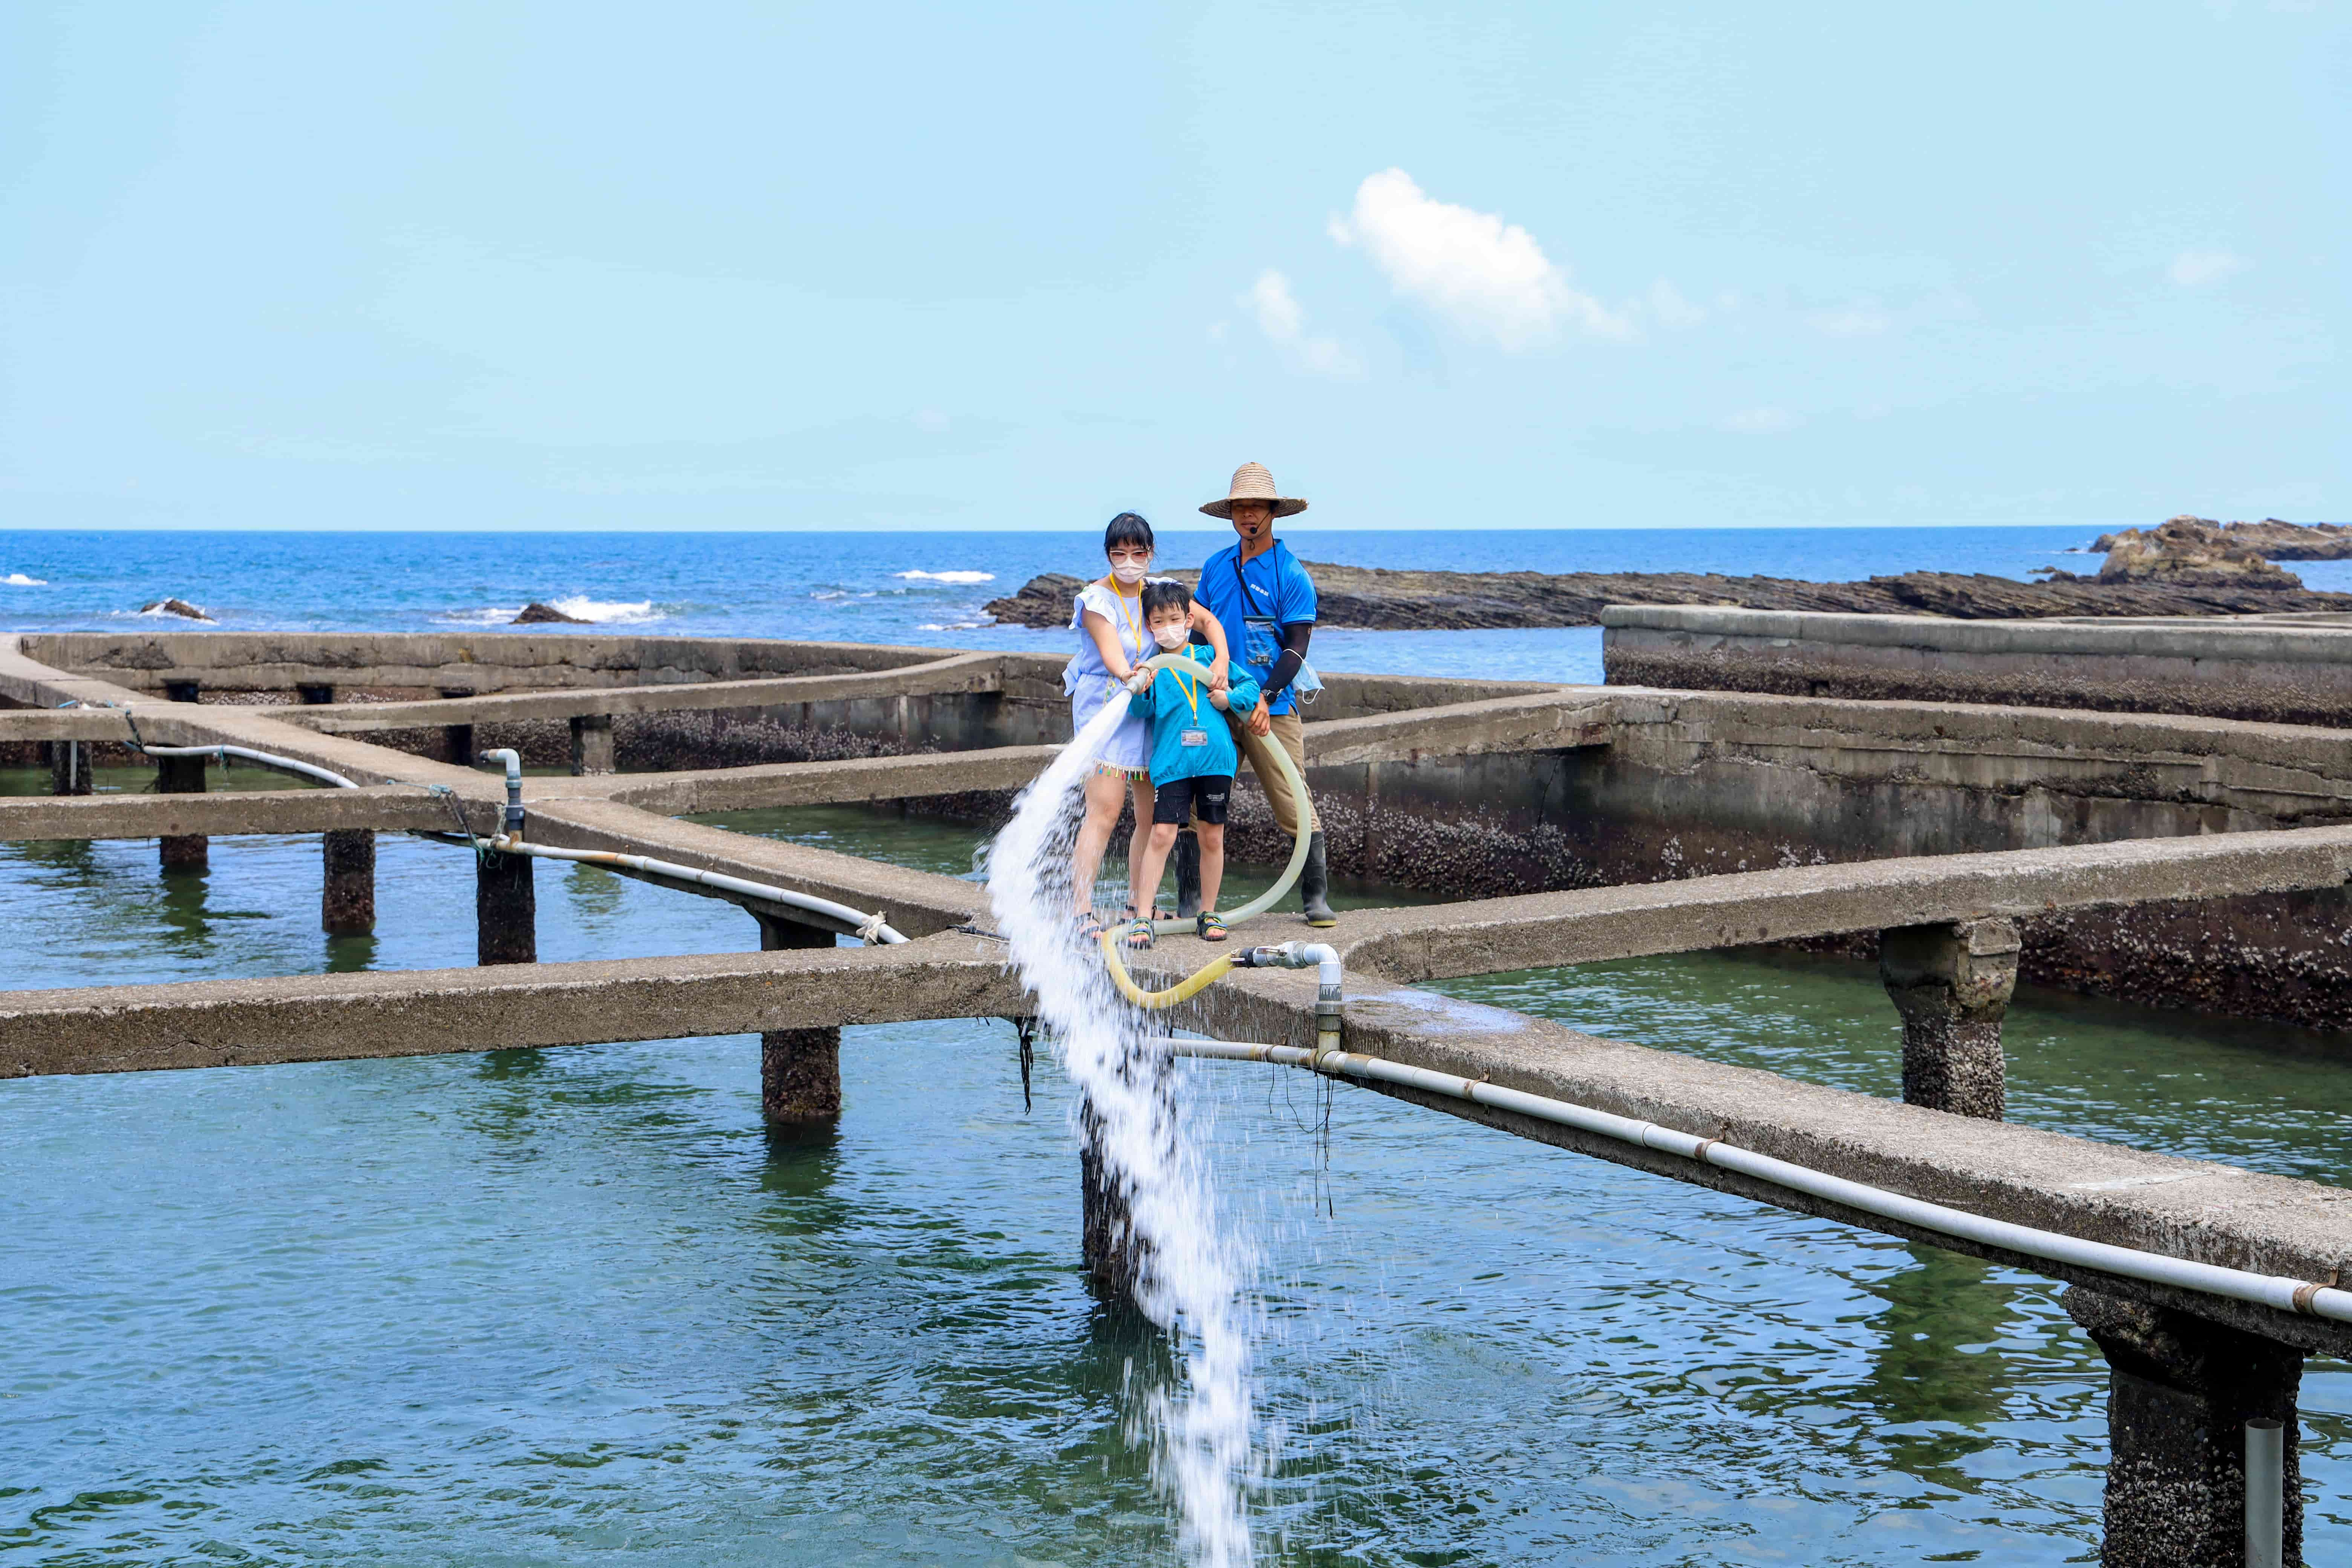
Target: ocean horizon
x=903, y=588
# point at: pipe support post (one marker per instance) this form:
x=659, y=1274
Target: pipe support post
x=800, y=1069
x=506, y=909
x=347, y=897
x=1952, y=985
x=2181, y=1394
x=183, y=774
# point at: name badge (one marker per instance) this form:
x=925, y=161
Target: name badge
x=1193, y=738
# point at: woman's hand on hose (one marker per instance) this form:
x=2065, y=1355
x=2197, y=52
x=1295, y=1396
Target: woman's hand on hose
x=1260, y=721
x=1137, y=682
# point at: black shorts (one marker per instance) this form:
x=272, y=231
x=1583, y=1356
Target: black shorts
x=1205, y=798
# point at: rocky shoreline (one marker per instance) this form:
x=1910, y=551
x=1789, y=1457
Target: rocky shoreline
x=1373, y=599
x=2188, y=566
x=2270, y=538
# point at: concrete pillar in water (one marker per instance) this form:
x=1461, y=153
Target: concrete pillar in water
x=347, y=901
x=314, y=695
x=506, y=912
x=457, y=739
x=800, y=1069
x=1113, y=1252
x=1952, y=984
x=2180, y=1390
x=182, y=775
x=592, y=744
x=69, y=767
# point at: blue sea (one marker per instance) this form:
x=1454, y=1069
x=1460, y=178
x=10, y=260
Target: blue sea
x=908, y=588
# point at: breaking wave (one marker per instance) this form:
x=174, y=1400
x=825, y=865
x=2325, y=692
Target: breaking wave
x=18, y=580
x=946, y=576
x=603, y=611
x=607, y=611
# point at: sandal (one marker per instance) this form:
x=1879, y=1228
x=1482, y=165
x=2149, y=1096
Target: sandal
x=1139, y=933
x=1212, y=928
x=1088, y=927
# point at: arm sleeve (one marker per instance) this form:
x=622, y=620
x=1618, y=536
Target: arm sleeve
x=1242, y=695
x=1140, y=702
x=1295, y=635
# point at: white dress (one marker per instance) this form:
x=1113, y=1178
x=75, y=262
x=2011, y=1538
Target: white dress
x=1089, y=682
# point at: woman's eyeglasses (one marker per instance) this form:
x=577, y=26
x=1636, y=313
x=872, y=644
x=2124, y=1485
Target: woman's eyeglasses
x=1138, y=556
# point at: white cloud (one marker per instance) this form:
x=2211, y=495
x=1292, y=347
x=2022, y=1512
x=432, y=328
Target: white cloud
x=1284, y=326
x=1763, y=422
x=1672, y=310
x=1859, y=319
x=1279, y=315
x=1488, y=277
x=2195, y=268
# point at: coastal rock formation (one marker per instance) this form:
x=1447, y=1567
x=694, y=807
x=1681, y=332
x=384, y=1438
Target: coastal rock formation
x=2190, y=552
x=536, y=614
x=179, y=607
x=2271, y=539
x=1380, y=600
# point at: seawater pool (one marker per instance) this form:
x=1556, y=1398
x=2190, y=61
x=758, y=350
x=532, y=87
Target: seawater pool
x=578, y=1305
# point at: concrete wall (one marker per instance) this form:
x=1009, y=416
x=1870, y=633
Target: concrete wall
x=1689, y=784
x=2293, y=670
x=426, y=663
x=1698, y=783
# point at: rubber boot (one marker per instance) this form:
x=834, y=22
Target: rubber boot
x=1188, y=874
x=1315, y=884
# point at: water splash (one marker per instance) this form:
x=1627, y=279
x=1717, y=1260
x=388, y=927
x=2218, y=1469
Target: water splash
x=1190, y=1272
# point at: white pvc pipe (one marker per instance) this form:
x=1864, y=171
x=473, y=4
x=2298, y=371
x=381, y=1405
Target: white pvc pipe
x=870, y=927
x=2265, y=1494
x=267, y=759
x=2272, y=1290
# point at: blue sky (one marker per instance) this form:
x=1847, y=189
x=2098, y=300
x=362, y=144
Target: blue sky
x=767, y=266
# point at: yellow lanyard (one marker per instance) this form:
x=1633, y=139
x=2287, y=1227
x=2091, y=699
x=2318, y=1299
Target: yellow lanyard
x=1192, y=689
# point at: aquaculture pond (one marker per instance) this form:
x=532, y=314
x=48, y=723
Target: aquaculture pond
x=578, y=1305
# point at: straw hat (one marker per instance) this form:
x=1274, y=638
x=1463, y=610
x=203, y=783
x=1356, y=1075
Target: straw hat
x=1252, y=482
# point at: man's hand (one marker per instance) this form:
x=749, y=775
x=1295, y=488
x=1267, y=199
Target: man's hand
x=1220, y=680
x=1260, y=721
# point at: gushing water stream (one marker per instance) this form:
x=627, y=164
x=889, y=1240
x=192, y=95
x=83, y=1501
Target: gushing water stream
x=1191, y=1275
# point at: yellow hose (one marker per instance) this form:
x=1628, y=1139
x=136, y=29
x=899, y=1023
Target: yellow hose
x=1214, y=970
x=1184, y=990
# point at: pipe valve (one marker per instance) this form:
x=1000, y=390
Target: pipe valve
x=513, y=760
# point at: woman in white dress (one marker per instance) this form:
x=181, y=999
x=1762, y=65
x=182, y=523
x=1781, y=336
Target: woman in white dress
x=1112, y=640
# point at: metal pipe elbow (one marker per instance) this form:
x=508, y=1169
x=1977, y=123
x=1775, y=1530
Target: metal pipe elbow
x=513, y=760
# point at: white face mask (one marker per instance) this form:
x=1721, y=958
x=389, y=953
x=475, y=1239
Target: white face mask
x=1172, y=637
x=1129, y=573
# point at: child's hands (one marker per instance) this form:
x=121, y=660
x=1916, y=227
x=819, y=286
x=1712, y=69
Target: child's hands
x=1222, y=703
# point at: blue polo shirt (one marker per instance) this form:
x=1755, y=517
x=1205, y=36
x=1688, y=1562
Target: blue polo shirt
x=1271, y=585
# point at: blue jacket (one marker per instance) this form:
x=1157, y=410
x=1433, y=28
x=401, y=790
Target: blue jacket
x=1178, y=709
x=1274, y=589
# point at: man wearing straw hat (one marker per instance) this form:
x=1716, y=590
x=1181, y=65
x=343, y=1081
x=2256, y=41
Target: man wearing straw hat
x=1266, y=601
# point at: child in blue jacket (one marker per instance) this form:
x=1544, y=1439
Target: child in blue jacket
x=1193, y=754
